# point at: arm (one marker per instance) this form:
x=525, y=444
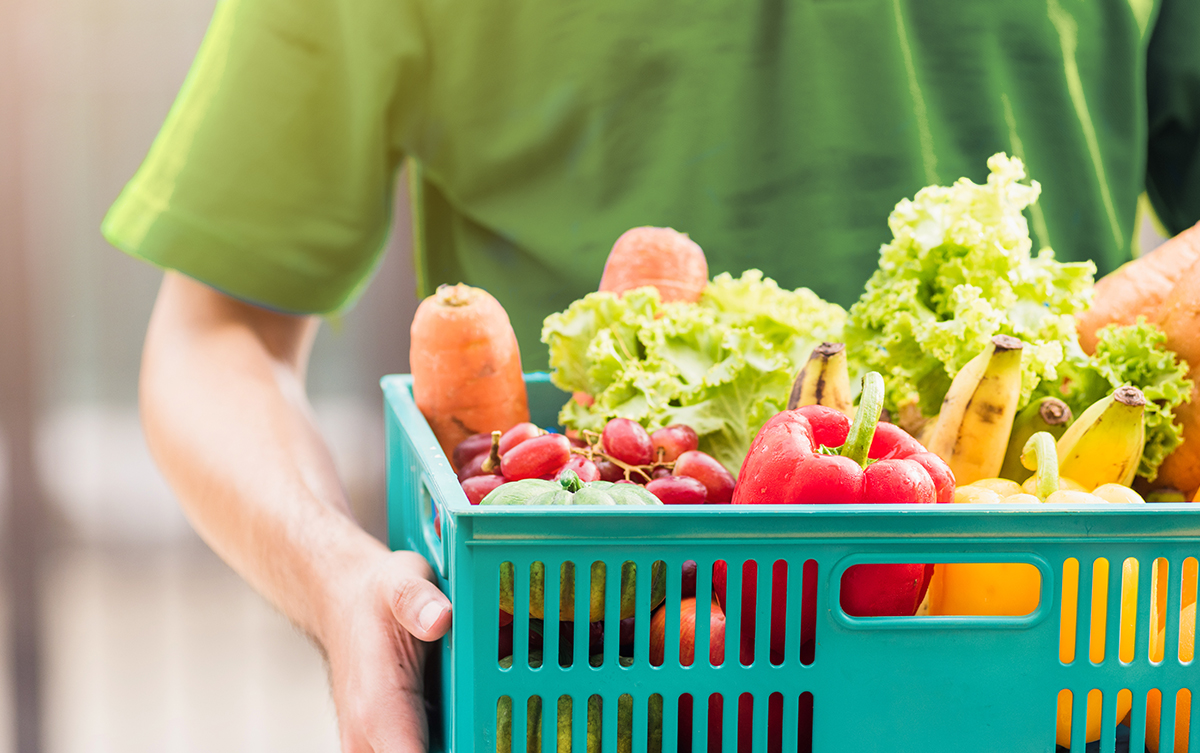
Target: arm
x=228, y=421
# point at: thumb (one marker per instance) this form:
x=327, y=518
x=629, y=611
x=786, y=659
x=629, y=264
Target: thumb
x=417, y=604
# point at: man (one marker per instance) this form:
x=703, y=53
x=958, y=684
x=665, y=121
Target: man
x=778, y=133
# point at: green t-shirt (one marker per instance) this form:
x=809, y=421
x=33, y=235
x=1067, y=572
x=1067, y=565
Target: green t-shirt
x=777, y=133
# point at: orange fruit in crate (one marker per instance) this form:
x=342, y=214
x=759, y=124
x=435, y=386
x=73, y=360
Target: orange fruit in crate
x=1010, y=589
x=1124, y=703
x=1158, y=606
x=1187, y=652
x=1099, y=610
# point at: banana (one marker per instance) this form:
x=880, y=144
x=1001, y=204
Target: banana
x=1047, y=414
x=1104, y=445
x=824, y=380
x=972, y=429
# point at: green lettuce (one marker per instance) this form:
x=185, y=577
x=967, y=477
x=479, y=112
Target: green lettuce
x=1135, y=354
x=958, y=271
x=723, y=365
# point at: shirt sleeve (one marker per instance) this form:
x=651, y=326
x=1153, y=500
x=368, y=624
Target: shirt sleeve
x=271, y=178
x=1173, y=102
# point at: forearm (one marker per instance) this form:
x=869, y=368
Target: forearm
x=227, y=419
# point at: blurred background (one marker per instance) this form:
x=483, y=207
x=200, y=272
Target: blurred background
x=122, y=631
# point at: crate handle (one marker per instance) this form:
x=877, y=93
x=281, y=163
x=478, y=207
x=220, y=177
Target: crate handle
x=434, y=545
x=1046, y=601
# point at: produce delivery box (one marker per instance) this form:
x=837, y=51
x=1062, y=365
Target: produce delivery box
x=1110, y=640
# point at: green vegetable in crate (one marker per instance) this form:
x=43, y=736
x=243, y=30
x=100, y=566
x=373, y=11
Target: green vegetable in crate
x=533, y=731
x=533, y=727
x=569, y=490
x=566, y=590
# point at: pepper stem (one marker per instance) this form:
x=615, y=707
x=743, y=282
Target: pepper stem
x=866, y=418
x=1041, y=456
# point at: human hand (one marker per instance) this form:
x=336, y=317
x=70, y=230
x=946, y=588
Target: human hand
x=373, y=640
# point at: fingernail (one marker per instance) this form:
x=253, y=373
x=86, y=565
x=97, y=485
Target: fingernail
x=430, y=614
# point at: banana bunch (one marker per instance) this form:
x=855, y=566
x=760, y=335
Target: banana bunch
x=987, y=443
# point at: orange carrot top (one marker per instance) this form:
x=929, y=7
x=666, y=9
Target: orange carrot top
x=466, y=367
x=657, y=256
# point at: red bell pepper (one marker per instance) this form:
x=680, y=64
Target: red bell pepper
x=815, y=455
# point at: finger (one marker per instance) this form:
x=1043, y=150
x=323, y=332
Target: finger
x=420, y=607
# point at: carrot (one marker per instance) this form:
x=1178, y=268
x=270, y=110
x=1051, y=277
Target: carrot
x=1139, y=287
x=1179, y=317
x=658, y=256
x=466, y=368
x=1181, y=469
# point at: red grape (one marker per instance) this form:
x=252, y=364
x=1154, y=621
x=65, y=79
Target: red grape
x=584, y=468
x=717, y=481
x=678, y=490
x=659, y=472
x=688, y=588
x=626, y=633
x=478, y=487
x=609, y=471
x=518, y=434
x=470, y=447
x=474, y=467
x=627, y=441
x=673, y=441
x=536, y=457
x=505, y=644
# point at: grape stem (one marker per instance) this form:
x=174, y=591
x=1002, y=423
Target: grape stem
x=493, y=459
x=591, y=452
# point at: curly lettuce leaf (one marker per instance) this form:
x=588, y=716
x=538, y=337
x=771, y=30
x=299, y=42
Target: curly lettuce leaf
x=957, y=272
x=1134, y=354
x=571, y=334
x=793, y=320
x=723, y=365
x=748, y=382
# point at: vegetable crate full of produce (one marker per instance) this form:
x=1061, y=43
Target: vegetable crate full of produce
x=590, y=628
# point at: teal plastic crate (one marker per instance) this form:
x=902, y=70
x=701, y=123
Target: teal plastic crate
x=902, y=685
